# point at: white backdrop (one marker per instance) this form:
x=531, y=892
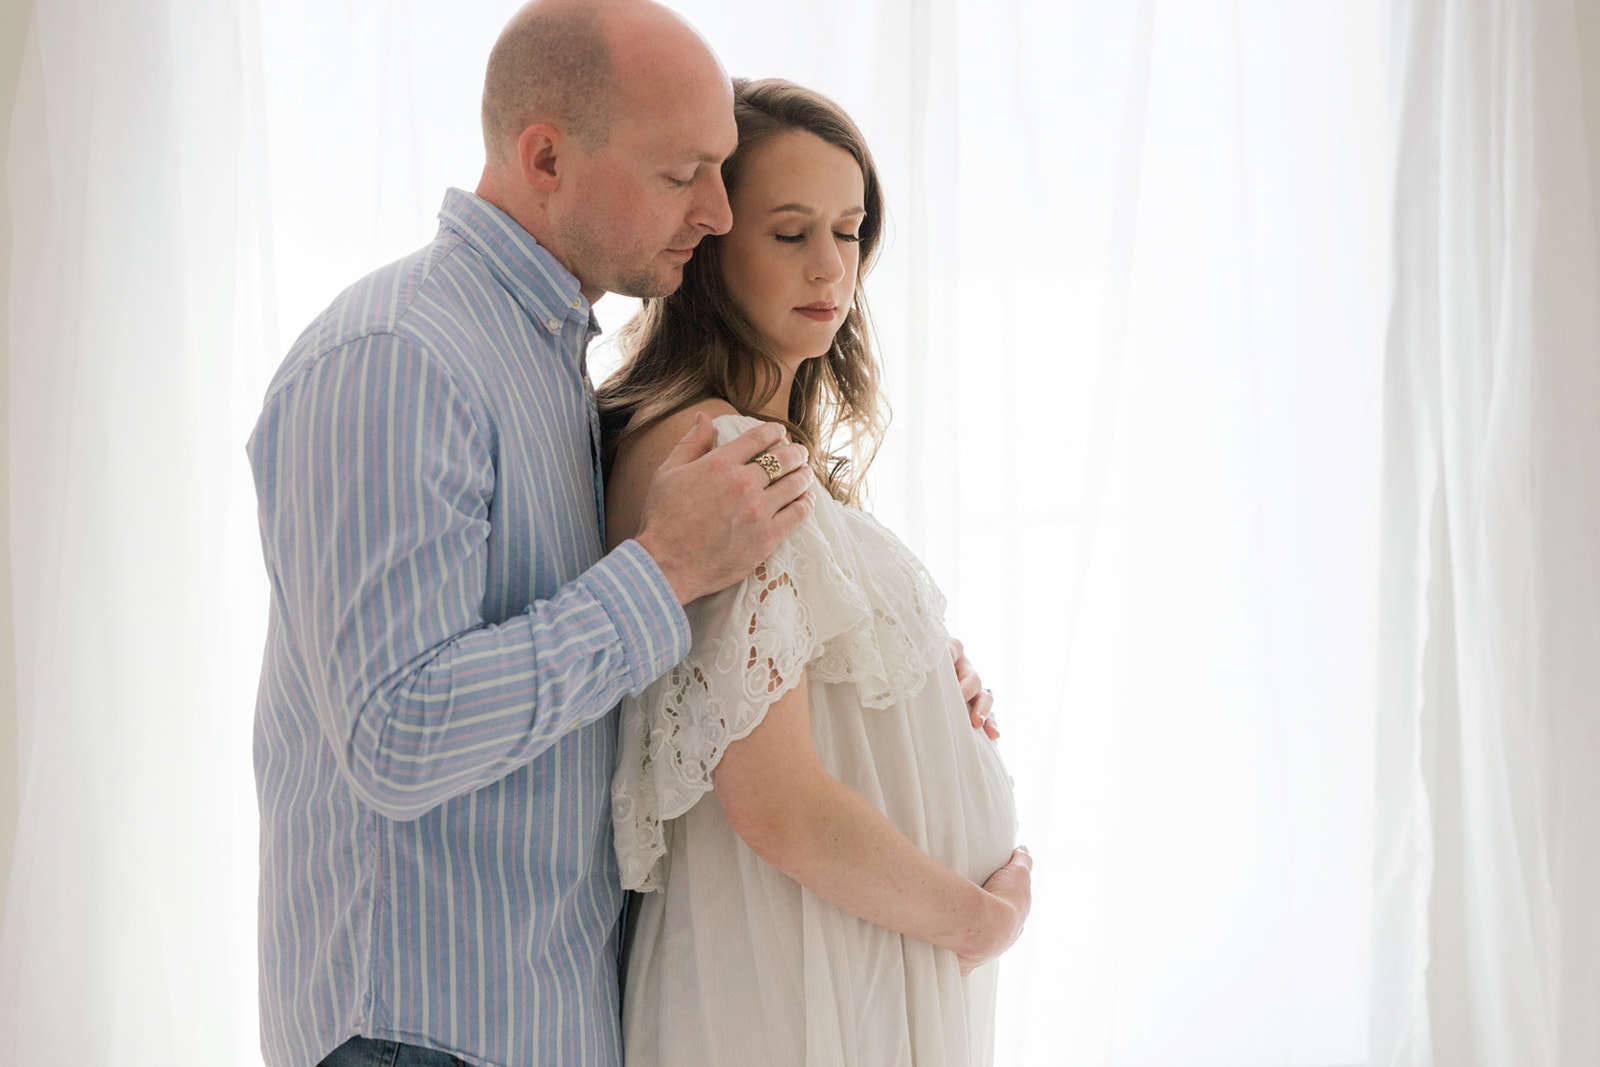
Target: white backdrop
x=1133, y=314
x=1487, y=933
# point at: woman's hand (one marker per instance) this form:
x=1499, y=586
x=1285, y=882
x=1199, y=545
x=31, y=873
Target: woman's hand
x=1011, y=888
x=980, y=701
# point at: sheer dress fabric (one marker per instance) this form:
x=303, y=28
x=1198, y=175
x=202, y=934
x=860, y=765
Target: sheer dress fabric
x=731, y=961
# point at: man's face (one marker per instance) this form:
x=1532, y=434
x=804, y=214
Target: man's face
x=631, y=211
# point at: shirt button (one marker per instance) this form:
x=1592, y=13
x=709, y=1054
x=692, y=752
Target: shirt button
x=577, y=302
x=553, y=322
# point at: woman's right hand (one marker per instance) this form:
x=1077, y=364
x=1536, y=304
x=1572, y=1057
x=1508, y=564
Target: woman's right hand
x=1011, y=888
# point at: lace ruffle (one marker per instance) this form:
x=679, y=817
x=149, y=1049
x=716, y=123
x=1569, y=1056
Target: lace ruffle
x=889, y=660
x=841, y=598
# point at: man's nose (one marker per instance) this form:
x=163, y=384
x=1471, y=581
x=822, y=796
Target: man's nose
x=711, y=211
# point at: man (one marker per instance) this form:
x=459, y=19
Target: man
x=447, y=638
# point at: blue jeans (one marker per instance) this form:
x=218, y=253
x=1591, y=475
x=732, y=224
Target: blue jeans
x=365, y=1052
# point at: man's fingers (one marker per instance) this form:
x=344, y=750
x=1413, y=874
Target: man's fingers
x=783, y=493
x=754, y=441
x=790, y=516
x=791, y=458
x=1022, y=858
x=722, y=513
x=794, y=512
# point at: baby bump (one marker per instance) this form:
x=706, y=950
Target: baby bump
x=989, y=804
x=942, y=783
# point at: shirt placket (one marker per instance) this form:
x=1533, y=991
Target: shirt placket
x=594, y=455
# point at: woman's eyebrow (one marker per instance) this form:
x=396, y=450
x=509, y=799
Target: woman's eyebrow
x=802, y=209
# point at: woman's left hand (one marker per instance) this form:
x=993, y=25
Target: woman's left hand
x=980, y=701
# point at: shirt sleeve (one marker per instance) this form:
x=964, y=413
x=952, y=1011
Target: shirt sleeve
x=375, y=482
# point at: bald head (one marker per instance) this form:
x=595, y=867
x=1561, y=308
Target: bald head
x=606, y=124
x=551, y=64
x=575, y=63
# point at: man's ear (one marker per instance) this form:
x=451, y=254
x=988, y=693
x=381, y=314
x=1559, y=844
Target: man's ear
x=539, y=153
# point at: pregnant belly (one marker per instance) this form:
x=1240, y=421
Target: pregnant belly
x=989, y=808
x=920, y=762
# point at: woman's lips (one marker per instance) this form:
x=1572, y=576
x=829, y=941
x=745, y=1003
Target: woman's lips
x=819, y=312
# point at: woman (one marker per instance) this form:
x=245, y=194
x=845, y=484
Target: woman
x=801, y=799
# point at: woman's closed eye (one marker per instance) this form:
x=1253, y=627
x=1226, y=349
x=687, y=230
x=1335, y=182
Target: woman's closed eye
x=796, y=238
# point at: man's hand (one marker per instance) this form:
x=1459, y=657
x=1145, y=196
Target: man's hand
x=980, y=702
x=711, y=515
x=1012, y=886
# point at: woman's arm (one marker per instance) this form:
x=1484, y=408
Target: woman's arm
x=792, y=813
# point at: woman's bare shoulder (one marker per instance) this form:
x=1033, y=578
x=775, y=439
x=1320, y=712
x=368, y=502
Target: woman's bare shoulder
x=649, y=448
x=677, y=424
x=639, y=456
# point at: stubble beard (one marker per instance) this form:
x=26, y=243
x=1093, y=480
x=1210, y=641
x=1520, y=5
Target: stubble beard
x=648, y=286
x=644, y=280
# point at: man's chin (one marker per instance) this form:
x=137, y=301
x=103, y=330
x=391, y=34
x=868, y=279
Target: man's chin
x=650, y=286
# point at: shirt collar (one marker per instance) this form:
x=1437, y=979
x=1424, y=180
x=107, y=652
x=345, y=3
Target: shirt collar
x=546, y=290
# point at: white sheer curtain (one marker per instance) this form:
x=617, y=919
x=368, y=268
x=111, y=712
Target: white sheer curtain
x=136, y=299
x=1488, y=938
x=1133, y=315
x=1183, y=338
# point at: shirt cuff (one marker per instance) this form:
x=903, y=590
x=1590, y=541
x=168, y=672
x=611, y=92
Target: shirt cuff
x=639, y=600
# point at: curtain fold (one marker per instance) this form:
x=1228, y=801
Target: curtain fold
x=1488, y=853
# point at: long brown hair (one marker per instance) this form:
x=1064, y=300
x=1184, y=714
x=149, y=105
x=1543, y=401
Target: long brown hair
x=696, y=344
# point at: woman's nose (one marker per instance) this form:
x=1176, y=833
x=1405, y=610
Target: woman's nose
x=827, y=265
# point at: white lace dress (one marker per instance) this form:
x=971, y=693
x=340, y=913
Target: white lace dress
x=732, y=962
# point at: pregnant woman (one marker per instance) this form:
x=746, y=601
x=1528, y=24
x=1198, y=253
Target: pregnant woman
x=823, y=845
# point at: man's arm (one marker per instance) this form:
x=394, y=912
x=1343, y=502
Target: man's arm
x=375, y=483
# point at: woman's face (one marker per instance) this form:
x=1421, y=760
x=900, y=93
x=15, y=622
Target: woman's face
x=790, y=260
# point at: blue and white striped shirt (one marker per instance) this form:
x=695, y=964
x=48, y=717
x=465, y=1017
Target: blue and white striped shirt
x=434, y=732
